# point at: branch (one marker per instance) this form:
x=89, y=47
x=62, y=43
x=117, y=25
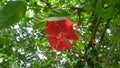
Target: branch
x=91, y=44
x=80, y=9
x=47, y=3
x=103, y=33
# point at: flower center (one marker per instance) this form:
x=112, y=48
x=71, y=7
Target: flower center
x=61, y=36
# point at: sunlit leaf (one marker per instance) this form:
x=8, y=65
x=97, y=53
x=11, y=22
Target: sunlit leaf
x=56, y=18
x=39, y=22
x=1, y=60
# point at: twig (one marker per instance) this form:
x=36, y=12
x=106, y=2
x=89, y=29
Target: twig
x=47, y=3
x=94, y=34
x=78, y=12
x=92, y=43
x=103, y=33
x=80, y=9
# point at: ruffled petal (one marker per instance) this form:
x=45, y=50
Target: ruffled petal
x=67, y=28
x=53, y=41
x=64, y=45
x=51, y=29
x=72, y=34
x=65, y=25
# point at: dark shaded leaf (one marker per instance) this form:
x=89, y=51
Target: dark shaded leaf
x=57, y=14
x=12, y=12
x=104, y=13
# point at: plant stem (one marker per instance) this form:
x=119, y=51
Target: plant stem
x=103, y=33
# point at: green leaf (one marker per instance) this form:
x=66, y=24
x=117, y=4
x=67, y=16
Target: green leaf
x=104, y=13
x=79, y=64
x=75, y=2
x=56, y=18
x=113, y=1
x=88, y=6
x=51, y=1
x=39, y=22
x=1, y=55
x=117, y=5
x=39, y=25
x=1, y=60
x=36, y=64
x=12, y=13
x=57, y=14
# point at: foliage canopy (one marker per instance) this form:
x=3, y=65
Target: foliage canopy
x=23, y=42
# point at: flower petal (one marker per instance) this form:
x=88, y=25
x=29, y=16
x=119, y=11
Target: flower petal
x=53, y=41
x=67, y=28
x=65, y=25
x=71, y=34
x=64, y=45
x=59, y=33
x=51, y=29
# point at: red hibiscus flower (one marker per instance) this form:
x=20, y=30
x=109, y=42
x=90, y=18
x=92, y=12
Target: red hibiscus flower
x=59, y=33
